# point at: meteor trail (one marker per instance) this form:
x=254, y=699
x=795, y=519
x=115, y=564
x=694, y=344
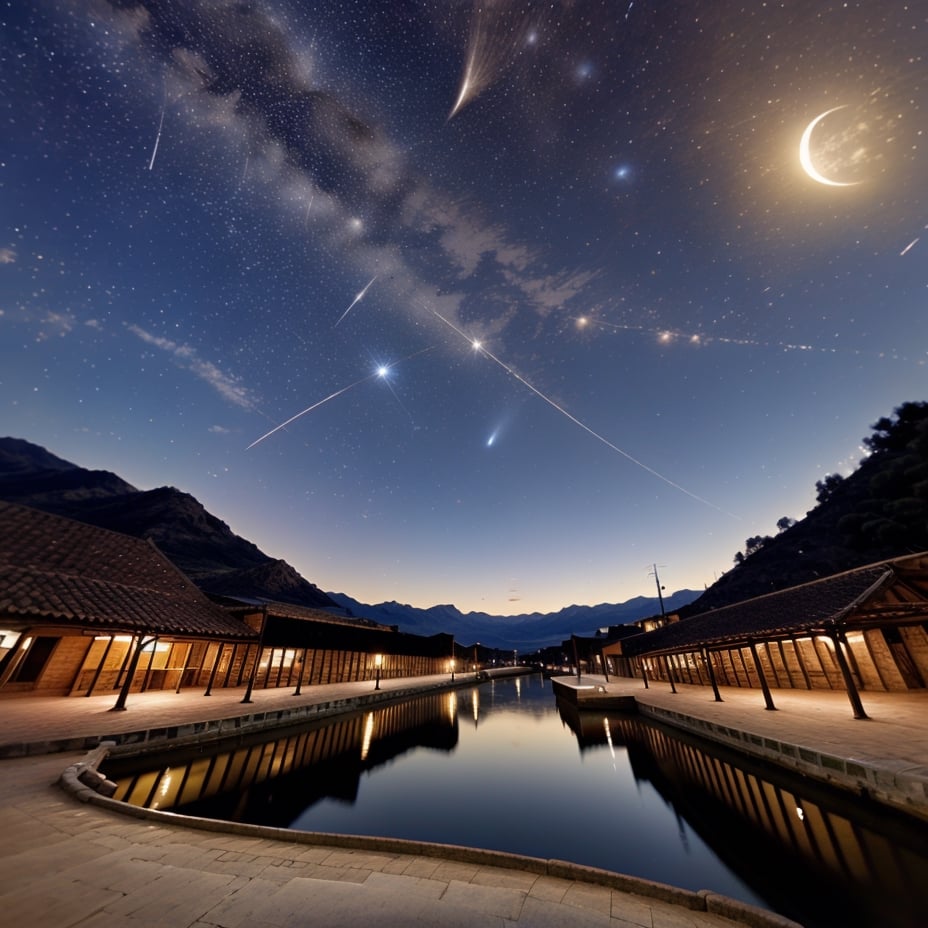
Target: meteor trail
x=479, y=347
x=154, y=152
x=309, y=409
x=356, y=300
x=379, y=373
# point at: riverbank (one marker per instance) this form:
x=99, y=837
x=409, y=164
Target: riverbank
x=812, y=732
x=94, y=861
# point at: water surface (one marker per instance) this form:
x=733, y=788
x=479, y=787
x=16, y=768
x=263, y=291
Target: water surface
x=504, y=766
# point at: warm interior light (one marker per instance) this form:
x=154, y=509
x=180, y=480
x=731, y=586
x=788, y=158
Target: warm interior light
x=378, y=660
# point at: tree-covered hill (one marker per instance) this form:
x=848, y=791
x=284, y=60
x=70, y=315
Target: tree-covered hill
x=878, y=512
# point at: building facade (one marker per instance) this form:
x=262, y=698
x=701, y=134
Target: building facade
x=86, y=611
x=864, y=629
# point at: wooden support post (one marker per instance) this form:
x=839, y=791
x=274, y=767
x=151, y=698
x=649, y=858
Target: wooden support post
x=784, y=659
x=99, y=670
x=773, y=669
x=299, y=679
x=852, y=693
x=120, y=704
x=711, y=671
x=768, y=699
x=673, y=686
x=802, y=664
x=185, y=668
x=212, y=673
x=125, y=662
x=851, y=658
x=151, y=661
x=254, y=668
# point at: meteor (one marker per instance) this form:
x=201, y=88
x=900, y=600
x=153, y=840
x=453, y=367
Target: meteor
x=356, y=300
x=483, y=350
x=309, y=409
x=379, y=373
x=154, y=152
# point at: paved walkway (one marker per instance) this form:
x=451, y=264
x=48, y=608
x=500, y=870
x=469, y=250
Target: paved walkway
x=67, y=862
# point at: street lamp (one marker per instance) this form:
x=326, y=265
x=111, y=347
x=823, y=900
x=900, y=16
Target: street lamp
x=452, y=670
x=378, y=661
x=476, y=665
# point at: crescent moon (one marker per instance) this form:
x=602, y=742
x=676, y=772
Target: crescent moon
x=805, y=156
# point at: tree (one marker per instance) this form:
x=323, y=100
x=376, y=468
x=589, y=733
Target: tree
x=827, y=486
x=755, y=543
x=895, y=434
x=785, y=522
x=751, y=545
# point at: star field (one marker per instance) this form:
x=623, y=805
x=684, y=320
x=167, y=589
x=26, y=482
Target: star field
x=495, y=304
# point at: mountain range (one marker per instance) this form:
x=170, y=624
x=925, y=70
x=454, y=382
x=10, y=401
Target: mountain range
x=877, y=512
x=223, y=563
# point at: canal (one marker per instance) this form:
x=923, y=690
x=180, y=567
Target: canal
x=504, y=765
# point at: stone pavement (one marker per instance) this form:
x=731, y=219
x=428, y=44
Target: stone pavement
x=83, y=863
x=66, y=863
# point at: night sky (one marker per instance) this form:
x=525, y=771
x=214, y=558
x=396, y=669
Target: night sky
x=546, y=293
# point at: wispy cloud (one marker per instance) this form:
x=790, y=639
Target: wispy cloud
x=337, y=164
x=184, y=356
x=7, y=255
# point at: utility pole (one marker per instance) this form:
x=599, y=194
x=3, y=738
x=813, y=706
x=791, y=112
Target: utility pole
x=660, y=595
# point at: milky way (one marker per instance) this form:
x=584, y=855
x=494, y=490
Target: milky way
x=214, y=214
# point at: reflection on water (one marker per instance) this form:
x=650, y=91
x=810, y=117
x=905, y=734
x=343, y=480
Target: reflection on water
x=504, y=766
x=270, y=779
x=820, y=855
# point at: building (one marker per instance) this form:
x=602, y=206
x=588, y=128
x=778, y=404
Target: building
x=87, y=611
x=862, y=629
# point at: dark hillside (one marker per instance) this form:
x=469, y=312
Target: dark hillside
x=202, y=546
x=879, y=511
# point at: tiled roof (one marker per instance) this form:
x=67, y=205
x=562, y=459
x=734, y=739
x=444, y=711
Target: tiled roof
x=68, y=572
x=293, y=611
x=775, y=615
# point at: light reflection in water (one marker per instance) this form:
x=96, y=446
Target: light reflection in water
x=368, y=733
x=608, y=732
x=636, y=798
